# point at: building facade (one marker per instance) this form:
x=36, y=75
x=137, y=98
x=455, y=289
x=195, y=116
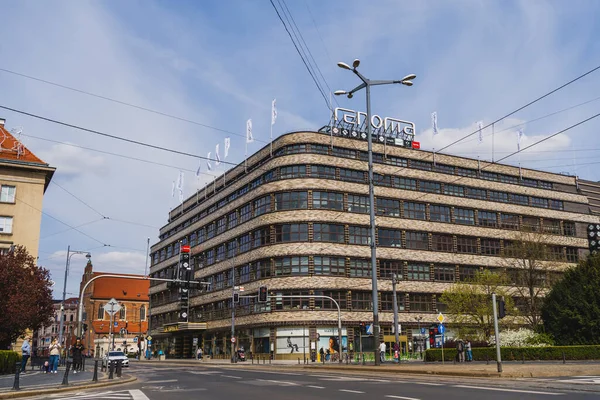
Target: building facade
x=23, y=180
x=298, y=223
x=129, y=325
x=43, y=337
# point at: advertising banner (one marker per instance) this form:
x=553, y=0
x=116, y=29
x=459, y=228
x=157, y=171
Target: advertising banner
x=292, y=340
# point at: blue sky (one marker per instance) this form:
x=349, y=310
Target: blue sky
x=222, y=62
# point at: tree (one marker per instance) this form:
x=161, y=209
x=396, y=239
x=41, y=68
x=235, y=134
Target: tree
x=526, y=259
x=25, y=295
x=571, y=310
x=470, y=302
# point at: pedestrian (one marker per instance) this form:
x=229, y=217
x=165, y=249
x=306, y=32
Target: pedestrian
x=199, y=353
x=25, y=352
x=382, y=349
x=77, y=355
x=469, y=351
x=54, y=356
x=322, y=355
x=396, y=351
x=460, y=349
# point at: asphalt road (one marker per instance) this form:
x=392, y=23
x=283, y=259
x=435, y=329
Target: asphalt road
x=158, y=382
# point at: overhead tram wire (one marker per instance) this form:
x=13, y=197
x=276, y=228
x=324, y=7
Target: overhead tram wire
x=523, y=107
x=318, y=32
x=70, y=229
x=124, y=103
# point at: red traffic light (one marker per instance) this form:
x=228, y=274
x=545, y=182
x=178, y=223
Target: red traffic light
x=185, y=249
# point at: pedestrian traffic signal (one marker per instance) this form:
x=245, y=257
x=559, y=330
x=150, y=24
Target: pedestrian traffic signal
x=262, y=294
x=85, y=327
x=501, y=308
x=236, y=297
x=594, y=238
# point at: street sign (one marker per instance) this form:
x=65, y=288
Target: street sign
x=148, y=342
x=441, y=318
x=232, y=340
x=422, y=331
x=149, y=337
x=441, y=329
x=116, y=324
x=195, y=341
x=135, y=339
x=241, y=289
x=370, y=329
x=112, y=307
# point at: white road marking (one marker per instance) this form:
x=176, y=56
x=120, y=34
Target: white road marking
x=280, y=382
x=426, y=383
x=507, y=390
x=231, y=376
x=400, y=397
x=351, y=391
x=282, y=373
x=316, y=387
x=163, y=381
x=137, y=394
x=204, y=372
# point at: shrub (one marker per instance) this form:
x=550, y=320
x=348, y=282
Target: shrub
x=520, y=353
x=522, y=338
x=8, y=360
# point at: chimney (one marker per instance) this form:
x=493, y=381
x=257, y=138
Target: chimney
x=2, y=121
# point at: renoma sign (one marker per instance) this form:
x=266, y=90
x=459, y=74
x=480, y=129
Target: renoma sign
x=353, y=124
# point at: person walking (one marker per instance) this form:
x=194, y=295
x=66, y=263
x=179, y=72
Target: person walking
x=469, y=351
x=25, y=353
x=382, y=349
x=54, y=356
x=460, y=349
x=77, y=356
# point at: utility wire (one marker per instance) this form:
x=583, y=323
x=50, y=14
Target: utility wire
x=81, y=201
x=69, y=229
x=523, y=107
x=318, y=31
x=124, y=103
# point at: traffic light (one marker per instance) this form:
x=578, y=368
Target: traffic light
x=85, y=327
x=262, y=294
x=594, y=238
x=501, y=308
x=236, y=297
x=185, y=269
x=433, y=330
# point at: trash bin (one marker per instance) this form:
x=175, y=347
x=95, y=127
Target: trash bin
x=161, y=357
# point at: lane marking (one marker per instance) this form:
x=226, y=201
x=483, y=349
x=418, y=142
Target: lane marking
x=316, y=387
x=426, y=383
x=137, y=394
x=351, y=391
x=400, y=397
x=231, y=376
x=163, y=381
x=204, y=372
x=281, y=382
x=507, y=390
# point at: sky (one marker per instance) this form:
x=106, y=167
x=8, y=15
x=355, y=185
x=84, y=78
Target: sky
x=217, y=63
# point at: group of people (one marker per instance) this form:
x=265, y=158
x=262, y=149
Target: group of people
x=51, y=366
x=464, y=349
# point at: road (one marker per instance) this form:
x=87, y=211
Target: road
x=158, y=382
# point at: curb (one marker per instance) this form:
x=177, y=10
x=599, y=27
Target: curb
x=52, y=390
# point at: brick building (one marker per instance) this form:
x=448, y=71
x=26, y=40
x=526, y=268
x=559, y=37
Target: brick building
x=298, y=223
x=130, y=323
x=43, y=337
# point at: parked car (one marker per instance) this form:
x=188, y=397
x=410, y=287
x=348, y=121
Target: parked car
x=116, y=356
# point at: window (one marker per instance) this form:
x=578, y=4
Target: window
x=290, y=303
x=362, y=301
x=358, y=204
x=387, y=301
x=531, y=224
x=291, y=233
x=382, y=180
x=322, y=171
x=292, y=171
x=467, y=273
x=327, y=304
x=319, y=148
x=572, y=254
x=444, y=273
x=291, y=200
x=539, y=202
x=554, y=253
x=232, y=220
x=454, y=190
x=417, y=272
x=328, y=200
x=509, y=179
x=193, y=238
x=245, y=242
x=221, y=225
x=232, y=248
x=359, y=235
x=142, y=313
x=245, y=212
x=498, y=196
x=464, y=216
x=405, y=183
x=466, y=245
x=473, y=193
x=7, y=194
x=439, y=214
x=389, y=267
x=244, y=273
x=6, y=224
x=442, y=242
x=351, y=175
x=341, y=152
x=424, y=165
x=388, y=207
x=551, y=226
x=360, y=267
x=330, y=266
x=262, y=237
x=122, y=312
x=430, y=187
x=489, y=176
x=101, y=311
x=490, y=247
x=569, y=228
x=262, y=205
x=328, y=233
x=557, y=205
x=221, y=253
x=445, y=169
x=291, y=266
x=509, y=221
x=400, y=162
x=417, y=240
x=414, y=210
x=529, y=182
x=486, y=218
x=519, y=199
x=546, y=185
x=389, y=237
x=471, y=173
x=420, y=302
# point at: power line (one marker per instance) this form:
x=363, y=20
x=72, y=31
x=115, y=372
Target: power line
x=124, y=103
x=66, y=230
x=318, y=31
x=523, y=107
x=81, y=201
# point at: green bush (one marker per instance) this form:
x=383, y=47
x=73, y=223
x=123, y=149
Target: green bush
x=8, y=360
x=520, y=353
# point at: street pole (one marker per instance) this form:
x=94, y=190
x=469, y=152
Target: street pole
x=62, y=304
x=498, y=356
x=233, y=357
x=395, y=303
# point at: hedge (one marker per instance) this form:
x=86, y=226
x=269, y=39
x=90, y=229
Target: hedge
x=8, y=360
x=520, y=353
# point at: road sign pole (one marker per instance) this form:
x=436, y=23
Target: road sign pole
x=498, y=357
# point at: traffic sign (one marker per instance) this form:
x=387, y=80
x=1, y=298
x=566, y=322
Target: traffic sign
x=422, y=331
x=185, y=249
x=370, y=329
x=116, y=324
x=441, y=329
x=148, y=342
x=149, y=337
x=135, y=339
x=112, y=307
x=441, y=318
x=232, y=340
x=195, y=341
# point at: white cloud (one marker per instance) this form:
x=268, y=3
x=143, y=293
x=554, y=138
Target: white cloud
x=69, y=160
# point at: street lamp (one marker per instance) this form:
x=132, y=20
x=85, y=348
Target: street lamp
x=421, y=344
x=366, y=84
x=70, y=253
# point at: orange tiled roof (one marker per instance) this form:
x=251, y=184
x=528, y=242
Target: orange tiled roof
x=12, y=149
x=121, y=288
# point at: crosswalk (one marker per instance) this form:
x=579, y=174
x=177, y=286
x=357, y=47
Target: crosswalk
x=582, y=380
x=133, y=394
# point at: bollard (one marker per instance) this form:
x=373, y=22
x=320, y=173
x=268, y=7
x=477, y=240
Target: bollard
x=270, y=358
x=82, y=364
x=564, y=359
x=523, y=356
x=363, y=356
x=119, y=368
x=487, y=359
x=252, y=359
x=111, y=369
x=298, y=360
x=95, y=377
x=65, y=381
x=17, y=374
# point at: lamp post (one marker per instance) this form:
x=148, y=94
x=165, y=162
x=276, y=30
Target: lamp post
x=366, y=84
x=70, y=253
x=419, y=318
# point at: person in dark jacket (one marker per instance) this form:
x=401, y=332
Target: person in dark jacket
x=77, y=356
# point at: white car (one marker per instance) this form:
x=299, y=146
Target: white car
x=116, y=356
